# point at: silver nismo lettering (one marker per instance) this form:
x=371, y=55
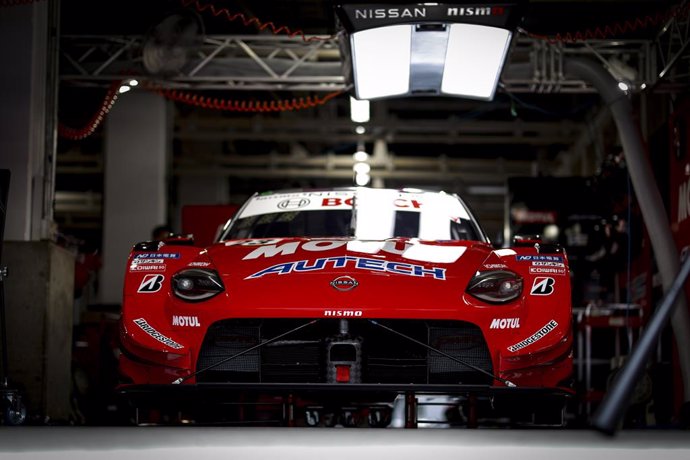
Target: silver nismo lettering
x=470, y=11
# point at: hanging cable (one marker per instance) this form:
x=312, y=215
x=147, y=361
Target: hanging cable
x=231, y=105
x=196, y=100
x=276, y=30
x=95, y=120
x=616, y=29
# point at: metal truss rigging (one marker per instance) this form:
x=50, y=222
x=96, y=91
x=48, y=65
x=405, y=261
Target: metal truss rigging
x=672, y=49
x=274, y=63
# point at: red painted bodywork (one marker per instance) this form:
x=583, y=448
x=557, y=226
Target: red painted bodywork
x=546, y=362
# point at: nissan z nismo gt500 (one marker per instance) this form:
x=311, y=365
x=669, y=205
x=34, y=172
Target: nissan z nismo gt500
x=347, y=306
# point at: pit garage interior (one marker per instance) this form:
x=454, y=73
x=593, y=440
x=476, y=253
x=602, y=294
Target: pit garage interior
x=120, y=116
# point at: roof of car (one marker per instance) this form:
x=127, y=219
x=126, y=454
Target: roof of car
x=351, y=188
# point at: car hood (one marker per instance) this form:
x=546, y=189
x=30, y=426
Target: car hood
x=293, y=276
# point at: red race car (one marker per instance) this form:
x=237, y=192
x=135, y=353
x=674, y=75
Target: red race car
x=347, y=306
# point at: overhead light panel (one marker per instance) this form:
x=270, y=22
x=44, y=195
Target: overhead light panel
x=423, y=49
x=359, y=110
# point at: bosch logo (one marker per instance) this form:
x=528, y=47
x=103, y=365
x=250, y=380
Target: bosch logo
x=344, y=283
x=294, y=203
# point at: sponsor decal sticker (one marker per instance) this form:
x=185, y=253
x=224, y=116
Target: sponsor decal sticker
x=548, y=264
x=189, y=321
x=360, y=263
x=539, y=258
x=151, y=284
x=293, y=203
x=540, y=334
x=200, y=264
x=146, y=327
x=542, y=285
x=494, y=266
x=148, y=261
x=158, y=255
x=146, y=268
x=505, y=323
x=547, y=271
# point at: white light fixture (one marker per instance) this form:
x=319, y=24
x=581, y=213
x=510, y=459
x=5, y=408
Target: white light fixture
x=133, y=82
x=426, y=49
x=360, y=155
x=123, y=89
x=361, y=168
x=360, y=130
x=623, y=86
x=381, y=61
x=362, y=179
x=485, y=48
x=359, y=110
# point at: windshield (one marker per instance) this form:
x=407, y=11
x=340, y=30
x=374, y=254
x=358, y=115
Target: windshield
x=368, y=214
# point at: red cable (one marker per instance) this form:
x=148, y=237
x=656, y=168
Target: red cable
x=616, y=29
x=198, y=101
x=96, y=119
x=252, y=21
x=246, y=106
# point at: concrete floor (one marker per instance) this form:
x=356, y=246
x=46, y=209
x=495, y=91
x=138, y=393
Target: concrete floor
x=118, y=443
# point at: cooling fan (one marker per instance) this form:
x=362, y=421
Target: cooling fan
x=169, y=43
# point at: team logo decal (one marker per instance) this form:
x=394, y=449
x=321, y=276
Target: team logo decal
x=293, y=203
x=542, y=285
x=344, y=283
x=151, y=283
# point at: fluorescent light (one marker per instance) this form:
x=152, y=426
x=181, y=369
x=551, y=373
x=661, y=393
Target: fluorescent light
x=133, y=82
x=360, y=155
x=123, y=89
x=486, y=190
x=381, y=61
x=359, y=110
x=474, y=60
x=623, y=86
x=361, y=168
x=362, y=179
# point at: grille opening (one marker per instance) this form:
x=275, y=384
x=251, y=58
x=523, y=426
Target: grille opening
x=303, y=356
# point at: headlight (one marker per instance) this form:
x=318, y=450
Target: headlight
x=495, y=286
x=195, y=284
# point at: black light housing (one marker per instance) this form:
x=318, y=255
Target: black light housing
x=408, y=48
x=499, y=286
x=196, y=284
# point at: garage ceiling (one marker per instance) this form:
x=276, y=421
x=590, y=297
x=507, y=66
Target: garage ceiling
x=540, y=122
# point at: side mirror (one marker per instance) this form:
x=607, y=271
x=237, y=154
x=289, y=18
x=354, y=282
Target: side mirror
x=526, y=240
